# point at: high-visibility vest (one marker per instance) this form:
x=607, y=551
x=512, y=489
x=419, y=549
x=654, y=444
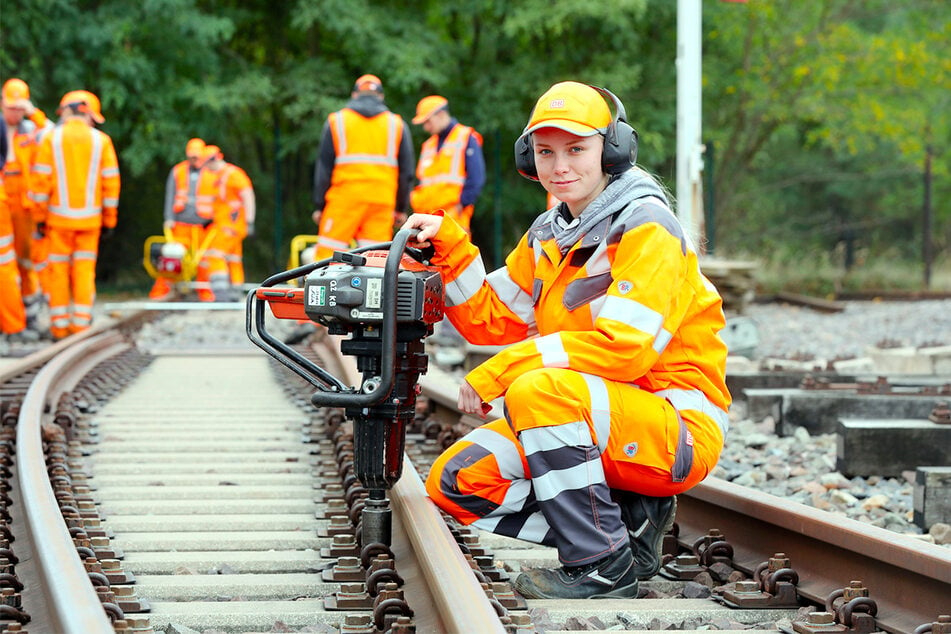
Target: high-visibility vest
x=75, y=182
x=366, y=166
x=17, y=163
x=186, y=191
x=442, y=172
x=206, y=192
x=229, y=206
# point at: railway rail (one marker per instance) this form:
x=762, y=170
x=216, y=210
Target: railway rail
x=195, y=486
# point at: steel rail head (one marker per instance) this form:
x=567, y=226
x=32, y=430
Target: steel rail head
x=72, y=602
x=462, y=602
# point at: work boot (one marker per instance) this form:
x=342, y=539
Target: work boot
x=24, y=336
x=647, y=519
x=610, y=578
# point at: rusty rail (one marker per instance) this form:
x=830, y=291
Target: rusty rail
x=909, y=580
x=72, y=603
x=446, y=580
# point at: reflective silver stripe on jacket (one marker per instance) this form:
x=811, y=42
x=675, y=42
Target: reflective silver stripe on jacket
x=89, y=208
x=344, y=157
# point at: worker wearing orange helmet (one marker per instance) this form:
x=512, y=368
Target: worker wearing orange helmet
x=180, y=212
x=613, y=374
x=364, y=171
x=234, y=220
x=75, y=188
x=25, y=124
x=197, y=229
x=236, y=209
x=451, y=168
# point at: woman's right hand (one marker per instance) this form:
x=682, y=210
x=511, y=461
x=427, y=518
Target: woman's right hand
x=428, y=225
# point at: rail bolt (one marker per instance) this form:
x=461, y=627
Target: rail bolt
x=941, y=626
x=818, y=623
x=358, y=624
x=941, y=413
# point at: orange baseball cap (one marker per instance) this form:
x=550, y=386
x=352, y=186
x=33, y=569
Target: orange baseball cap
x=573, y=107
x=194, y=148
x=86, y=98
x=368, y=82
x=428, y=106
x=15, y=93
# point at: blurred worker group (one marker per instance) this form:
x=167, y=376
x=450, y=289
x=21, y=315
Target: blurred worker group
x=364, y=176
x=60, y=194
x=209, y=210
x=59, y=197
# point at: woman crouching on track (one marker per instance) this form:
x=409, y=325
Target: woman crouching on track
x=614, y=389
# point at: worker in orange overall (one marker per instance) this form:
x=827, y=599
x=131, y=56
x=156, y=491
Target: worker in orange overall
x=364, y=171
x=451, y=168
x=75, y=187
x=234, y=220
x=238, y=204
x=181, y=204
x=613, y=371
x=12, y=313
x=25, y=125
x=211, y=235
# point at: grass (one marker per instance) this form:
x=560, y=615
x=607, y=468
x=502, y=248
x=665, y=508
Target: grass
x=817, y=275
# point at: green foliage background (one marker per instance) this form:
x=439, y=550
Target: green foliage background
x=818, y=115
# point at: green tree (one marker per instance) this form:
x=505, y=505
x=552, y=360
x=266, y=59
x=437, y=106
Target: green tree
x=819, y=113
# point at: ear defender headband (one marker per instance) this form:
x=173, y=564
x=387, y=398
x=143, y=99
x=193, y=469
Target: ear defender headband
x=620, y=144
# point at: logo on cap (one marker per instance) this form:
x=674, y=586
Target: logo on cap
x=557, y=103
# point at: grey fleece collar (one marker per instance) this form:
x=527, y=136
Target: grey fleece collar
x=621, y=191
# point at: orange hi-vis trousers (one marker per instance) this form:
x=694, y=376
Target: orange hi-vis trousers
x=12, y=313
x=343, y=221
x=545, y=474
x=72, y=279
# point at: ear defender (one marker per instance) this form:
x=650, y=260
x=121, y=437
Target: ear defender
x=620, y=139
x=525, y=157
x=620, y=144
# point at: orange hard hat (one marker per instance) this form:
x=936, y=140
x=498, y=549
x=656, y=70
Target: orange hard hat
x=212, y=152
x=368, y=83
x=84, y=98
x=194, y=148
x=15, y=92
x=428, y=106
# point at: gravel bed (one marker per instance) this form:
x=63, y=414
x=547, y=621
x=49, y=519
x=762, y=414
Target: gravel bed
x=801, y=467
x=787, y=331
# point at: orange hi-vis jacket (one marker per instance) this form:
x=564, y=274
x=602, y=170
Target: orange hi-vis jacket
x=627, y=302
x=204, y=197
x=229, y=204
x=366, y=167
x=16, y=170
x=75, y=182
x=203, y=202
x=442, y=172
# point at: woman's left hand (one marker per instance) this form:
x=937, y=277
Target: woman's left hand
x=470, y=402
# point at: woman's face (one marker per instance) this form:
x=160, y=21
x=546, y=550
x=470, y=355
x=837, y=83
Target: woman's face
x=569, y=166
